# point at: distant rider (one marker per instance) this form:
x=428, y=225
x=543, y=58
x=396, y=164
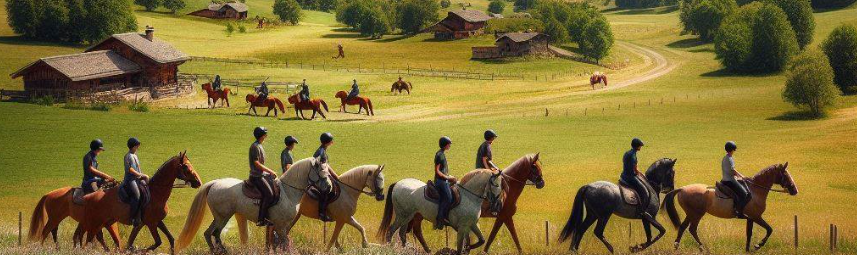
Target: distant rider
x=304, y=94
x=92, y=177
x=326, y=140
x=258, y=172
x=135, y=181
x=485, y=155
x=286, y=156
x=263, y=92
x=631, y=174
x=730, y=179
x=442, y=182
x=217, y=85
x=355, y=90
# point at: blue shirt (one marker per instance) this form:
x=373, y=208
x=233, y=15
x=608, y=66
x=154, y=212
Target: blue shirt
x=89, y=160
x=440, y=159
x=321, y=154
x=629, y=162
x=131, y=161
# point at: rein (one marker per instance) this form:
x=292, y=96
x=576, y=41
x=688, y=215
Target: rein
x=356, y=189
x=516, y=180
x=766, y=188
x=471, y=192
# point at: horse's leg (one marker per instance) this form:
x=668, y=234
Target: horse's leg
x=113, y=230
x=77, y=238
x=768, y=231
x=651, y=221
x=510, y=225
x=268, y=112
x=496, y=228
x=417, y=227
x=153, y=229
x=163, y=228
x=681, y=230
x=480, y=239
x=694, y=224
x=578, y=233
x=749, y=235
x=336, y=229
x=353, y=222
x=460, y=244
x=599, y=231
x=133, y=236
x=54, y=234
x=212, y=234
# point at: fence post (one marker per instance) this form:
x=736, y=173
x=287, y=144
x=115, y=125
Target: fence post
x=796, y=232
x=547, y=234
x=20, y=226
x=447, y=236
x=831, y=237
x=546, y=112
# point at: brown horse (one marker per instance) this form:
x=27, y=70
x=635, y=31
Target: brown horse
x=597, y=78
x=313, y=104
x=364, y=102
x=271, y=102
x=105, y=208
x=402, y=85
x=699, y=199
x=52, y=209
x=213, y=95
x=525, y=171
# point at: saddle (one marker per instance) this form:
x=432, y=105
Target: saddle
x=433, y=196
x=629, y=195
x=125, y=196
x=77, y=196
x=252, y=192
x=315, y=193
x=723, y=192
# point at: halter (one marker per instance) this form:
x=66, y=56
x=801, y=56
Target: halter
x=179, y=176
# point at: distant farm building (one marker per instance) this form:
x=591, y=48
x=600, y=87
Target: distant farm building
x=230, y=10
x=460, y=24
x=123, y=64
x=515, y=45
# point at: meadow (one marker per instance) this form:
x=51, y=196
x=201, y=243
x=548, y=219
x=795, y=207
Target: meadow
x=687, y=114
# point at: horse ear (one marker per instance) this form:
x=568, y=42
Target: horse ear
x=536, y=158
x=786, y=165
x=675, y=160
x=381, y=168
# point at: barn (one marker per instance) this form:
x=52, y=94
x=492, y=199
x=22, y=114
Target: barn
x=230, y=10
x=129, y=62
x=515, y=45
x=460, y=24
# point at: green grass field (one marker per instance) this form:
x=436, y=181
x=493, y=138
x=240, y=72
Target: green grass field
x=702, y=108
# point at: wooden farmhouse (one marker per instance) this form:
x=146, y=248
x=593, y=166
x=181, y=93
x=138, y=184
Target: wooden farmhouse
x=230, y=10
x=515, y=45
x=460, y=24
x=128, y=61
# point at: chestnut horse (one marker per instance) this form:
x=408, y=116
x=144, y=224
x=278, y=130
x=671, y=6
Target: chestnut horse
x=52, y=209
x=597, y=78
x=271, y=102
x=313, y=104
x=213, y=95
x=364, y=102
x=698, y=200
x=402, y=85
x=525, y=171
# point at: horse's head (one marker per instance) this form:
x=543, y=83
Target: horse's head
x=186, y=172
x=206, y=86
x=661, y=174
x=293, y=99
x=375, y=182
x=535, y=177
x=785, y=179
x=341, y=94
x=494, y=193
x=318, y=176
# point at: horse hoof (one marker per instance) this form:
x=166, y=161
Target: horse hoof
x=757, y=247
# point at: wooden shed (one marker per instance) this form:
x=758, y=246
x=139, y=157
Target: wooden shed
x=230, y=10
x=460, y=24
x=515, y=45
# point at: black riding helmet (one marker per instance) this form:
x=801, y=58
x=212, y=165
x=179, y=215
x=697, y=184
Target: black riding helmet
x=96, y=144
x=259, y=132
x=326, y=138
x=444, y=141
x=636, y=143
x=490, y=134
x=133, y=141
x=290, y=140
x=731, y=146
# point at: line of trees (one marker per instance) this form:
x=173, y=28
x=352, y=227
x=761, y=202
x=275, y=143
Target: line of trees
x=74, y=21
x=151, y=5
x=576, y=22
x=375, y=18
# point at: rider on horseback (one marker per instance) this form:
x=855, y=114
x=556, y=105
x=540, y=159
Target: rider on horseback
x=217, y=85
x=355, y=90
x=263, y=92
x=134, y=182
x=727, y=165
x=304, y=94
x=258, y=170
x=631, y=174
x=324, y=195
x=484, y=155
x=286, y=156
x=92, y=177
x=442, y=182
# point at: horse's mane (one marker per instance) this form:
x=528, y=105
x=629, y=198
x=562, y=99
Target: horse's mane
x=473, y=173
x=526, y=159
x=355, y=173
x=767, y=170
x=169, y=161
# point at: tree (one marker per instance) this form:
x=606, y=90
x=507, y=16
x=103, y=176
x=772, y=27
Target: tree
x=150, y=5
x=496, y=6
x=414, y=15
x=733, y=44
x=23, y=16
x=831, y=3
x=756, y=38
x=107, y=17
x=703, y=17
x=174, y=5
x=374, y=24
x=841, y=50
x=288, y=11
x=72, y=21
x=522, y=5
x=445, y=3
x=556, y=30
x=800, y=17
x=54, y=20
x=809, y=83
x=597, y=39
x=327, y=5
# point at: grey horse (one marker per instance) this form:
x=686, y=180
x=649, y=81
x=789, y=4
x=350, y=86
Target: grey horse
x=603, y=199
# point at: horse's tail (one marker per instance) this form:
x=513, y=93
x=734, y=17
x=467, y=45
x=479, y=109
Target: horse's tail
x=194, y=217
x=371, y=109
x=669, y=205
x=242, y=228
x=576, y=217
x=324, y=104
x=37, y=221
x=387, y=219
x=280, y=104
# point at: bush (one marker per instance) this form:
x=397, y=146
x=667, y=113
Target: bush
x=174, y=5
x=831, y=3
x=496, y=6
x=445, y=3
x=139, y=107
x=641, y=3
x=288, y=11
x=597, y=40
x=150, y=5
x=242, y=28
x=374, y=24
x=74, y=21
x=841, y=50
x=800, y=17
x=514, y=25
x=43, y=100
x=352, y=13
x=230, y=28
x=756, y=38
x=414, y=15
x=809, y=83
x=703, y=17
x=522, y=5
x=578, y=22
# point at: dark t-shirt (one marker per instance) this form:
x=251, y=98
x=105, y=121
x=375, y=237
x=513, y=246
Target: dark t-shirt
x=89, y=160
x=629, y=161
x=440, y=159
x=484, y=151
x=287, y=159
x=321, y=154
x=256, y=153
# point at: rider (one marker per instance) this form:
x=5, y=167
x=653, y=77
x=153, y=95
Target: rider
x=321, y=154
x=263, y=92
x=442, y=182
x=484, y=155
x=729, y=179
x=92, y=177
x=258, y=170
x=304, y=94
x=631, y=174
x=286, y=156
x=134, y=181
x=355, y=90
x=217, y=84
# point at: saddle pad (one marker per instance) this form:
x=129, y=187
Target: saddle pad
x=77, y=196
x=125, y=195
x=314, y=193
x=628, y=194
x=722, y=191
x=432, y=195
x=251, y=192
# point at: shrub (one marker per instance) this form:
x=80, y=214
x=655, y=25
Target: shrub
x=139, y=107
x=374, y=24
x=288, y=11
x=800, y=17
x=831, y=3
x=521, y=5
x=841, y=50
x=639, y=3
x=352, y=13
x=414, y=15
x=514, y=25
x=242, y=28
x=597, y=40
x=43, y=100
x=74, y=21
x=174, y=5
x=703, y=17
x=809, y=82
x=230, y=28
x=445, y=3
x=756, y=38
x=150, y=5
x=578, y=22
x=496, y=6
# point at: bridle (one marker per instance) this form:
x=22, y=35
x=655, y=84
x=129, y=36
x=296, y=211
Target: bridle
x=376, y=189
x=533, y=172
x=786, y=187
x=179, y=176
x=490, y=185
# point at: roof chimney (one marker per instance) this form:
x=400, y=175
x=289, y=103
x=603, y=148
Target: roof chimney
x=150, y=33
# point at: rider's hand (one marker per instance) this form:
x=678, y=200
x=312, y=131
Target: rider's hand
x=110, y=179
x=451, y=179
x=144, y=177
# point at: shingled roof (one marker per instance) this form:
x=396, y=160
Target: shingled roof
x=240, y=7
x=471, y=15
x=520, y=37
x=86, y=66
x=157, y=50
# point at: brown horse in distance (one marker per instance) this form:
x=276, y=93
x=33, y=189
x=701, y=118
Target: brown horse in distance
x=313, y=104
x=597, y=78
x=271, y=102
x=213, y=95
x=363, y=102
x=698, y=200
x=525, y=171
x=402, y=85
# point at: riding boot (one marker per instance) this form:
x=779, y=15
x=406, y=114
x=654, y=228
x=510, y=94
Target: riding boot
x=322, y=208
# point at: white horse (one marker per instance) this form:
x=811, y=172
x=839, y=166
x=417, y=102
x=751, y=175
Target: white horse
x=225, y=198
x=406, y=198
